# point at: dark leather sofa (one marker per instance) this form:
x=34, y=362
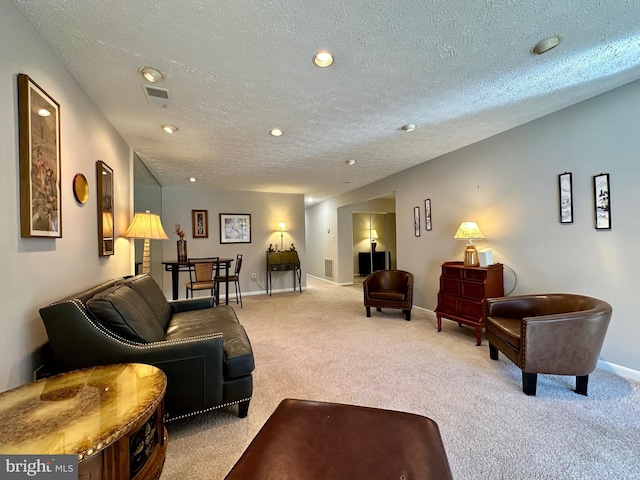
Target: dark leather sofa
x=557, y=334
x=203, y=350
x=389, y=289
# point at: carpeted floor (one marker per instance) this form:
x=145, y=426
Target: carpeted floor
x=319, y=345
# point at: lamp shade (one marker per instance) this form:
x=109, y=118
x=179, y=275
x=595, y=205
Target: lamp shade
x=374, y=234
x=146, y=225
x=282, y=227
x=468, y=231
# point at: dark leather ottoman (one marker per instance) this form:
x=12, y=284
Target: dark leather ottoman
x=316, y=440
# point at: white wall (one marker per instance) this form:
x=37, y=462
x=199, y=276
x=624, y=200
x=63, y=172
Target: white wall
x=266, y=209
x=509, y=185
x=40, y=270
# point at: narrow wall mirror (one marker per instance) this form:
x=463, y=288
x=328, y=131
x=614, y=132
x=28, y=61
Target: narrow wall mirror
x=104, y=181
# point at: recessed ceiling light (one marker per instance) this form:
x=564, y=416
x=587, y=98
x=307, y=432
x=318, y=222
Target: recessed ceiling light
x=170, y=128
x=150, y=74
x=192, y=179
x=276, y=132
x=43, y=112
x=409, y=127
x=547, y=44
x=323, y=59
x=351, y=162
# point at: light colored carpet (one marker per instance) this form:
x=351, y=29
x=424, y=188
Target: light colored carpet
x=319, y=345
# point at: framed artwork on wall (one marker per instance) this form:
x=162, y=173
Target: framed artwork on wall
x=200, y=221
x=40, y=185
x=416, y=221
x=602, y=201
x=427, y=214
x=104, y=181
x=235, y=228
x=565, y=188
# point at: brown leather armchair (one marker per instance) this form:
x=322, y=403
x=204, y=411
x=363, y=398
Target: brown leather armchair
x=389, y=289
x=557, y=334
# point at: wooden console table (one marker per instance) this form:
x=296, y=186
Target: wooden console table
x=111, y=416
x=463, y=292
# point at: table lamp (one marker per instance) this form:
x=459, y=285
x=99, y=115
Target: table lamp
x=469, y=231
x=374, y=237
x=149, y=227
x=282, y=228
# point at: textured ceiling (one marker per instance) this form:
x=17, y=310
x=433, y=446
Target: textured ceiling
x=462, y=70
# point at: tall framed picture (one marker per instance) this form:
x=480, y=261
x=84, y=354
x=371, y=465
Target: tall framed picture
x=106, y=234
x=565, y=188
x=602, y=201
x=40, y=185
x=427, y=214
x=200, y=223
x=416, y=221
x=235, y=228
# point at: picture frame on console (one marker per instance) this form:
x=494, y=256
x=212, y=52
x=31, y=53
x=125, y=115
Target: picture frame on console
x=602, y=201
x=40, y=161
x=235, y=228
x=416, y=220
x=200, y=223
x=565, y=189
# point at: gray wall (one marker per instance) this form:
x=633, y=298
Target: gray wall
x=266, y=209
x=40, y=270
x=509, y=185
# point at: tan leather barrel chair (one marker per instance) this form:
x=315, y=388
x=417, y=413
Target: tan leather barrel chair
x=389, y=289
x=557, y=334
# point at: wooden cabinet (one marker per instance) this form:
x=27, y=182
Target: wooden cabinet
x=463, y=292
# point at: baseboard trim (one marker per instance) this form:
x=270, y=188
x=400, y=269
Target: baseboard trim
x=619, y=370
x=345, y=284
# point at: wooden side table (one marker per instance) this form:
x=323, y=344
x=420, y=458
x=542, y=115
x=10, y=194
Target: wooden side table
x=111, y=416
x=463, y=292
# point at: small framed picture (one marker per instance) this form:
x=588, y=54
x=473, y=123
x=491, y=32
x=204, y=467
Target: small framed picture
x=602, y=201
x=427, y=214
x=200, y=222
x=416, y=220
x=235, y=228
x=565, y=189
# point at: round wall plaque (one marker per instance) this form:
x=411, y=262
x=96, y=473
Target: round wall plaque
x=80, y=188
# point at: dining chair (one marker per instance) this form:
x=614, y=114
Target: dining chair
x=202, y=272
x=235, y=278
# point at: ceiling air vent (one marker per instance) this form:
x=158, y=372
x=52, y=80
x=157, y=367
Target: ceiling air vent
x=157, y=96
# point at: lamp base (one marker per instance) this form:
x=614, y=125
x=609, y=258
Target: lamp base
x=471, y=256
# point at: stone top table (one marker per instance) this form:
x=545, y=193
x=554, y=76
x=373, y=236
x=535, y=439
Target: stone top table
x=92, y=413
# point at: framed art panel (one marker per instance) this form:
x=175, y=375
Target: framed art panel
x=416, y=221
x=602, y=201
x=427, y=214
x=104, y=181
x=200, y=220
x=235, y=228
x=40, y=164
x=565, y=188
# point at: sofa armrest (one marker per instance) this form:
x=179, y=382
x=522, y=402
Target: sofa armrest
x=178, y=306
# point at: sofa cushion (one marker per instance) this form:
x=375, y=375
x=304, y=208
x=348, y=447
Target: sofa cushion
x=508, y=329
x=238, y=356
x=150, y=291
x=124, y=312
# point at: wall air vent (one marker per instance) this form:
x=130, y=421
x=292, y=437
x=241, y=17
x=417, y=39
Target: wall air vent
x=157, y=96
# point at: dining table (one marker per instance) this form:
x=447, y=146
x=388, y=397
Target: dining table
x=175, y=267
